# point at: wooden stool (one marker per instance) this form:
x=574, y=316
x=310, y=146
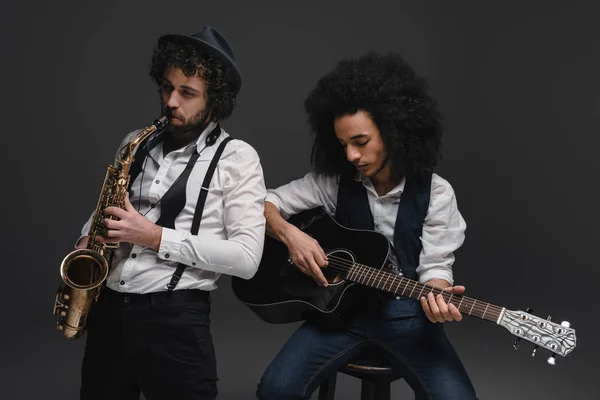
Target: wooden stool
x=375, y=374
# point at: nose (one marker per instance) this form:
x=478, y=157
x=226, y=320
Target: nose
x=352, y=154
x=172, y=100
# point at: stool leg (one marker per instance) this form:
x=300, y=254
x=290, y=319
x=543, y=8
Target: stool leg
x=374, y=390
x=327, y=388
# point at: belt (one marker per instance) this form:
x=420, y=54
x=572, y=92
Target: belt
x=110, y=296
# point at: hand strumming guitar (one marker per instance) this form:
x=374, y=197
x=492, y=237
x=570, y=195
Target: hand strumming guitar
x=305, y=252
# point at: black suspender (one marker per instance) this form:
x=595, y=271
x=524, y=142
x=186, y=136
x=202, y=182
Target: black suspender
x=200, y=208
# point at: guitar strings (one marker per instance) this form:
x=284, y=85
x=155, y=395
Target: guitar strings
x=462, y=302
x=365, y=274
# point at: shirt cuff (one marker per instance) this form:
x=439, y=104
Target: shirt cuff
x=170, y=245
x=274, y=199
x=436, y=273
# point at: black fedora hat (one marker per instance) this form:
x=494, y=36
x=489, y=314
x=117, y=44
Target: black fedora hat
x=211, y=41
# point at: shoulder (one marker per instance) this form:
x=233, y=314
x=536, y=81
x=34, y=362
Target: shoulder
x=237, y=151
x=239, y=159
x=440, y=187
x=317, y=181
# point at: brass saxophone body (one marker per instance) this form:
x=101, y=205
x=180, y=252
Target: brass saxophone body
x=84, y=271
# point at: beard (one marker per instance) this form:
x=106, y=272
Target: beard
x=379, y=169
x=196, y=124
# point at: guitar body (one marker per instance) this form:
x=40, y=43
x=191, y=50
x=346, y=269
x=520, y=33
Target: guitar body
x=280, y=293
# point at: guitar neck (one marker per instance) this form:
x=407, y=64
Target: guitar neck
x=401, y=286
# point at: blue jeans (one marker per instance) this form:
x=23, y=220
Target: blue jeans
x=415, y=347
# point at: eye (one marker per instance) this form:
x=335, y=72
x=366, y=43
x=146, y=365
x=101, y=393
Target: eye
x=361, y=144
x=187, y=93
x=166, y=88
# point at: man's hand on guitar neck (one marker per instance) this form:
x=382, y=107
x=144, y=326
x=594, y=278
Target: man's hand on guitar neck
x=436, y=309
x=305, y=252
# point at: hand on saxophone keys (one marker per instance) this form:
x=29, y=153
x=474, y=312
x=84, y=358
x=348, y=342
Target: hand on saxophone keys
x=131, y=227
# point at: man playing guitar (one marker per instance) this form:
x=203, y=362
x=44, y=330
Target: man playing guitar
x=377, y=142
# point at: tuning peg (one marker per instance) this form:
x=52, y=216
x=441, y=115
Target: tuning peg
x=516, y=344
x=529, y=310
x=551, y=360
x=549, y=317
x=565, y=324
x=534, y=350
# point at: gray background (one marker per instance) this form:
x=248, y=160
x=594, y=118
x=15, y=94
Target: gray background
x=518, y=83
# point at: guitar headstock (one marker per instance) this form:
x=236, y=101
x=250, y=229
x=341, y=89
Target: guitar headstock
x=556, y=338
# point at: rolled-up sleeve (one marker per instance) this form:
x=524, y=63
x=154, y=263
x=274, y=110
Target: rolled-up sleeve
x=243, y=217
x=311, y=191
x=443, y=233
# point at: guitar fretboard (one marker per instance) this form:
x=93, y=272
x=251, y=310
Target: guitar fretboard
x=401, y=286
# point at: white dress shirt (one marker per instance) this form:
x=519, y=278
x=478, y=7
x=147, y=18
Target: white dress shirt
x=231, y=236
x=443, y=229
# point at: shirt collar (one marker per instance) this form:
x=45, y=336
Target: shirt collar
x=198, y=143
x=369, y=185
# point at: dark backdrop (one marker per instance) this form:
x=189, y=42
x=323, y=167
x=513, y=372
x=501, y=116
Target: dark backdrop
x=518, y=83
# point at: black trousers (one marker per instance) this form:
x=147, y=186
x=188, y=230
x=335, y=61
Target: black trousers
x=154, y=343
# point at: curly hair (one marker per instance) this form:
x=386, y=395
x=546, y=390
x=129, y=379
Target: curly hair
x=389, y=90
x=220, y=91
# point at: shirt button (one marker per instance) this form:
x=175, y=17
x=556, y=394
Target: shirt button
x=167, y=255
x=157, y=181
x=122, y=282
x=127, y=299
x=133, y=255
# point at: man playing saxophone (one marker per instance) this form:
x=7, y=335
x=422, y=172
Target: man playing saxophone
x=179, y=230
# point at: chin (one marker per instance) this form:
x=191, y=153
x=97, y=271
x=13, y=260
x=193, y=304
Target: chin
x=176, y=128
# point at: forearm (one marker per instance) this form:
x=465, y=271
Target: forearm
x=277, y=227
x=238, y=256
x=152, y=238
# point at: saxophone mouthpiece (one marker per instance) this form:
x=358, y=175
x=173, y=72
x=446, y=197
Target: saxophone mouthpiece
x=161, y=123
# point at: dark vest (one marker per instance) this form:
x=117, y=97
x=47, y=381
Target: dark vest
x=353, y=211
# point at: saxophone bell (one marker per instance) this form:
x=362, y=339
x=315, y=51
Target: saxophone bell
x=84, y=271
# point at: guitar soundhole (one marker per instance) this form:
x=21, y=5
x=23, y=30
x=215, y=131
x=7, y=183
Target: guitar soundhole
x=340, y=261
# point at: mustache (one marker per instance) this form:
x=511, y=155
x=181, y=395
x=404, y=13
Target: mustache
x=169, y=112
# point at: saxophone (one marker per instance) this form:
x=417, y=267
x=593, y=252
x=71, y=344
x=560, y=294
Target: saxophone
x=83, y=271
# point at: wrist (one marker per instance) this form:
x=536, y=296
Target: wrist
x=156, y=238
x=438, y=282
x=287, y=233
